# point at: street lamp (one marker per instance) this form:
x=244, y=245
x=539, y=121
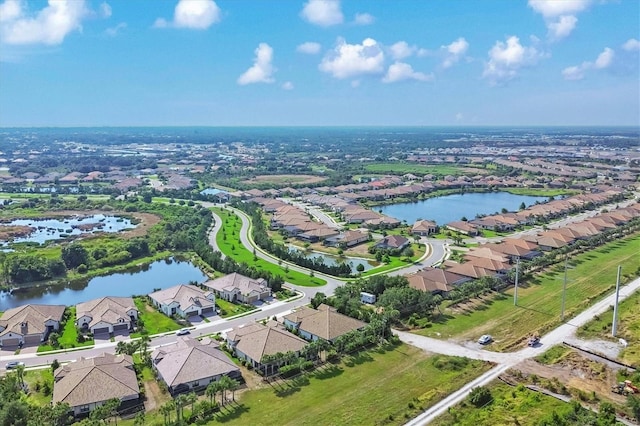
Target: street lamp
x=614, y=327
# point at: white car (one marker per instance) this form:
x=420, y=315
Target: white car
x=485, y=339
x=14, y=364
x=183, y=331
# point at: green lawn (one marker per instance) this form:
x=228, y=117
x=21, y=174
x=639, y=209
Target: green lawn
x=398, y=262
x=540, y=298
x=421, y=169
x=35, y=379
x=540, y=192
x=232, y=247
x=228, y=309
x=510, y=406
x=628, y=328
x=155, y=322
x=376, y=387
x=69, y=337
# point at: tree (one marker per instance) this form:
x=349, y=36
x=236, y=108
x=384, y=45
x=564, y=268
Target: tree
x=74, y=255
x=480, y=396
x=318, y=299
x=191, y=398
x=522, y=206
x=408, y=252
x=233, y=387
x=360, y=268
x=140, y=418
x=634, y=403
x=211, y=391
x=179, y=402
x=166, y=410
x=225, y=384
x=607, y=414
x=53, y=339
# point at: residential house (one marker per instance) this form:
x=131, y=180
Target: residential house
x=252, y=342
x=324, y=323
x=190, y=364
x=107, y=315
x=238, y=288
x=424, y=228
x=393, y=242
x=29, y=324
x=347, y=239
x=184, y=300
x=89, y=383
x=463, y=227
x=435, y=280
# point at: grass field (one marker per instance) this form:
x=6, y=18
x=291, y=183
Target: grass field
x=230, y=309
x=34, y=379
x=628, y=328
x=376, y=387
x=540, y=192
x=155, y=322
x=232, y=247
x=69, y=336
x=540, y=298
x=421, y=169
x=510, y=406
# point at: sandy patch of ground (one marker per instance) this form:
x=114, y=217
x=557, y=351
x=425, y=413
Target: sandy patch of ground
x=154, y=396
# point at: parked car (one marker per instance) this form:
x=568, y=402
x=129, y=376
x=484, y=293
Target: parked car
x=485, y=339
x=533, y=341
x=183, y=331
x=14, y=364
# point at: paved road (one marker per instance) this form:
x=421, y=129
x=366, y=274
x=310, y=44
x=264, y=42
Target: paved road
x=505, y=361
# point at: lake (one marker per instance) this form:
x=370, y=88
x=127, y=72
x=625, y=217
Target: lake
x=55, y=229
x=142, y=280
x=453, y=207
x=331, y=260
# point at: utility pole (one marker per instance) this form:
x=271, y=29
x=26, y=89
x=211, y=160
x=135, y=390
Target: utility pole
x=614, y=328
x=515, y=292
x=564, y=286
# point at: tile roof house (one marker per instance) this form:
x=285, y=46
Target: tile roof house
x=89, y=383
x=392, y=242
x=463, y=227
x=324, y=323
x=424, y=227
x=29, y=324
x=184, y=300
x=238, y=288
x=435, y=280
x=348, y=239
x=251, y=342
x=107, y=314
x=192, y=364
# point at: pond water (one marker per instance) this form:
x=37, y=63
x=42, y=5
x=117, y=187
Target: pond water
x=450, y=208
x=55, y=229
x=213, y=191
x=331, y=260
x=141, y=280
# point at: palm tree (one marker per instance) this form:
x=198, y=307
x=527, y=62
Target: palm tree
x=233, y=387
x=179, y=402
x=20, y=374
x=211, y=391
x=191, y=399
x=166, y=410
x=224, y=386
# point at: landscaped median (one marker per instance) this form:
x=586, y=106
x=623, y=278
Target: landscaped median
x=540, y=300
x=228, y=241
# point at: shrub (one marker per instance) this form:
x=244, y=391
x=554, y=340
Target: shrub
x=479, y=396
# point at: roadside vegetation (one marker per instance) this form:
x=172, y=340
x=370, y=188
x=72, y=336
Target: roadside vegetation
x=592, y=275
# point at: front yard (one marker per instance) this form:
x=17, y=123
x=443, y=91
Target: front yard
x=228, y=309
x=69, y=336
x=155, y=322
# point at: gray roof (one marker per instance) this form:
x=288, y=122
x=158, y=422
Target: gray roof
x=245, y=285
x=189, y=360
x=326, y=322
x=257, y=340
x=108, y=309
x=185, y=295
x=94, y=380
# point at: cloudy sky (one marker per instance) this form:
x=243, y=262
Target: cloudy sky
x=319, y=62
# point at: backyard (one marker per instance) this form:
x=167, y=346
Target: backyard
x=592, y=275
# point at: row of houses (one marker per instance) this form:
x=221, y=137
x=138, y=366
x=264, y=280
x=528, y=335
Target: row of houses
x=32, y=324
x=551, y=210
x=496, y=259
x=191, y=364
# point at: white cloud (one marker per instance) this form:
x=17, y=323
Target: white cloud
x=324, y=13
x=287, y=85
x=454, y=52
x=351, y=60
x=309, y=47
x=505, y=59
x=114, y=31
x=563, y=27
x=603, y=61
x=400, y=71
x=50, y=25
x=364, y=19
x=193, y=14
x=631, y=45
x=401, y=50
x=559, y=15
x=262, y=69
x=574, y=73
x=105, y=10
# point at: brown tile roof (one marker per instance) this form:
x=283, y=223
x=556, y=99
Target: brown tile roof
x=245, y=285
x=95, y=380
x=185, y=295
x=257, y=340
x=33, y=316
x=108, y=309
x=325, y=322
x=189, y=360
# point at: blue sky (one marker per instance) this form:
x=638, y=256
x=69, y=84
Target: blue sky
x=319, y=62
